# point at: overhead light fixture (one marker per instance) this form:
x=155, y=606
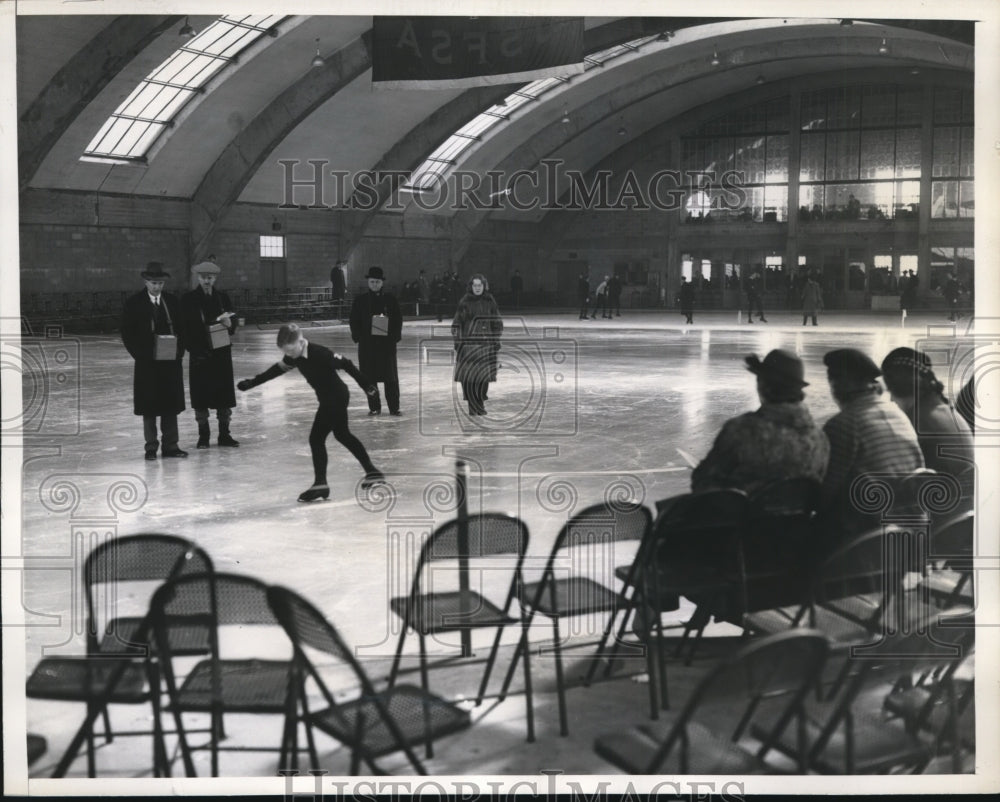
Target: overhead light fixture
x=186, y=31
x=883, y=48
x=715, y=61
x=318, y=60
x=565, y=118
x=760, y=80
x=622, y=130
x=915, y=71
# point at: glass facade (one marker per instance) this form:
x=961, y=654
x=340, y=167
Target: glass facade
x=860, y=155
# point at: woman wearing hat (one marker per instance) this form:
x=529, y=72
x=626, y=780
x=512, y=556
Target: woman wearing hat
x=476, y=330
x=868, y=435
x=210, y=368
x=376, y=326
x=945, y=437
x=152, y=331
x=776, y=441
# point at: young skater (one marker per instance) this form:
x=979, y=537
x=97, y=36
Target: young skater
x=319, y=365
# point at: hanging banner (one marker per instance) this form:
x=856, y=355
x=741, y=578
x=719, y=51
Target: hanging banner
x=459, y=52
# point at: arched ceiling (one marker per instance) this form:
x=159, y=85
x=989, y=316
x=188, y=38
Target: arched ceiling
x=226, y=146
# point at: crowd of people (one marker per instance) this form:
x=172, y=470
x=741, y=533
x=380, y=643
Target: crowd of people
x=920, y=429
x=916, y=427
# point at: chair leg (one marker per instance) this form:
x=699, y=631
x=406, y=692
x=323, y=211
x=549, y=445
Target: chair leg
x=429, y=742
x=489, y=666
x=396, y=658
x=189, y=770
x=310, y=737
x=560, y=680
x=109, y=736
x=528, y=699
x=522, y=645
x=91, y=759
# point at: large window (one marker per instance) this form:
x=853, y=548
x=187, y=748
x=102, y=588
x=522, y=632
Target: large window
x=748, y=147
x=860, y=153
x=952, y=188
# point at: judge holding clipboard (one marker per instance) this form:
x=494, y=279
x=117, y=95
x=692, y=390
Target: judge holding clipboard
x=376, y=326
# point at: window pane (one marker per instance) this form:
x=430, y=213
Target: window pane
x=944, y=199
x=967, y=199
x=946, y=152
x=947, y=105
x=968, y=153
x=777, y=159
x=145, y=138
x=909, y=105
x=813, y=163
x=907, y=203
x=749, y=159
x=811, y=201
x=908, y=153
x=778, y=114
x=842, y=155
x=813, y=110
x=877, y=154
x=776, y=203
x=878, y=106
x=844, y=107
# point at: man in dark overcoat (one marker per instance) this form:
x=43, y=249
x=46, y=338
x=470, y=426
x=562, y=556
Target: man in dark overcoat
x=210, y=369
x=376, y=326
x=158, y=384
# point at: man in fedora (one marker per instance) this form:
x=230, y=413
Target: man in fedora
x=376, y=326
x=869, y=435
x=152, y=331
x=775, y=441
x=210, y=368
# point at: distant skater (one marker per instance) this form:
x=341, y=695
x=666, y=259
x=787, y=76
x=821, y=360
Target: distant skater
x=319, y=365
x=812, y=300
x=686, y=300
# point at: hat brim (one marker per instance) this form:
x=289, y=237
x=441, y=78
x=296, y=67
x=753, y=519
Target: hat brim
x=757, y=367
x=153, y=276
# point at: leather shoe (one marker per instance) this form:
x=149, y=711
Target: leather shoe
x=315, y=493
x=396, y=412
x=227, y=440
x=374, y=411
x=176, y=452
x=151, y=455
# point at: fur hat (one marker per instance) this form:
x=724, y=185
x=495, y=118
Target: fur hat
x=780, y=368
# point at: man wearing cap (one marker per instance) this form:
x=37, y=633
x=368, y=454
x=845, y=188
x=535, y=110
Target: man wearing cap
x=152, y=332
x=776, y=441
x=376, y=326
x=869, y=435
x=210, y=369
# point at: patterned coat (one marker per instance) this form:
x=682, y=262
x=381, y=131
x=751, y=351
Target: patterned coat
x=210, y=371
x=157, y=386
x=774, y=442
x=476, y=329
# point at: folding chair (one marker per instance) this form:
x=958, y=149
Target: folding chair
x=769, y=676
x=490, y=536
x=372, y=724
x=217, y=685
x=584, y=543
x=949, y=578
x=119, y=668
x=695, y=553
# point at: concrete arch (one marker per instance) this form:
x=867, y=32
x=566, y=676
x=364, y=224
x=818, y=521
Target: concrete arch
x=79, y=81
x=595, y=111
x=243, y=156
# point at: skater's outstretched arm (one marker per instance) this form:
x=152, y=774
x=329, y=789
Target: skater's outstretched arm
x=277, y=369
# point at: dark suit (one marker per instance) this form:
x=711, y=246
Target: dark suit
x=319, y=365
x=210, y=371
x=377, y=353
x=157, y=385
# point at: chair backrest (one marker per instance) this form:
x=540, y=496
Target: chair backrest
x=701, y=527
x=490, y=533
x=137, y=558
x=225, y=599
x=769, y=677
x=607, y=522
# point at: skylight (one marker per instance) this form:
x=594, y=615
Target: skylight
x=447, y=155
x=154, y=104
